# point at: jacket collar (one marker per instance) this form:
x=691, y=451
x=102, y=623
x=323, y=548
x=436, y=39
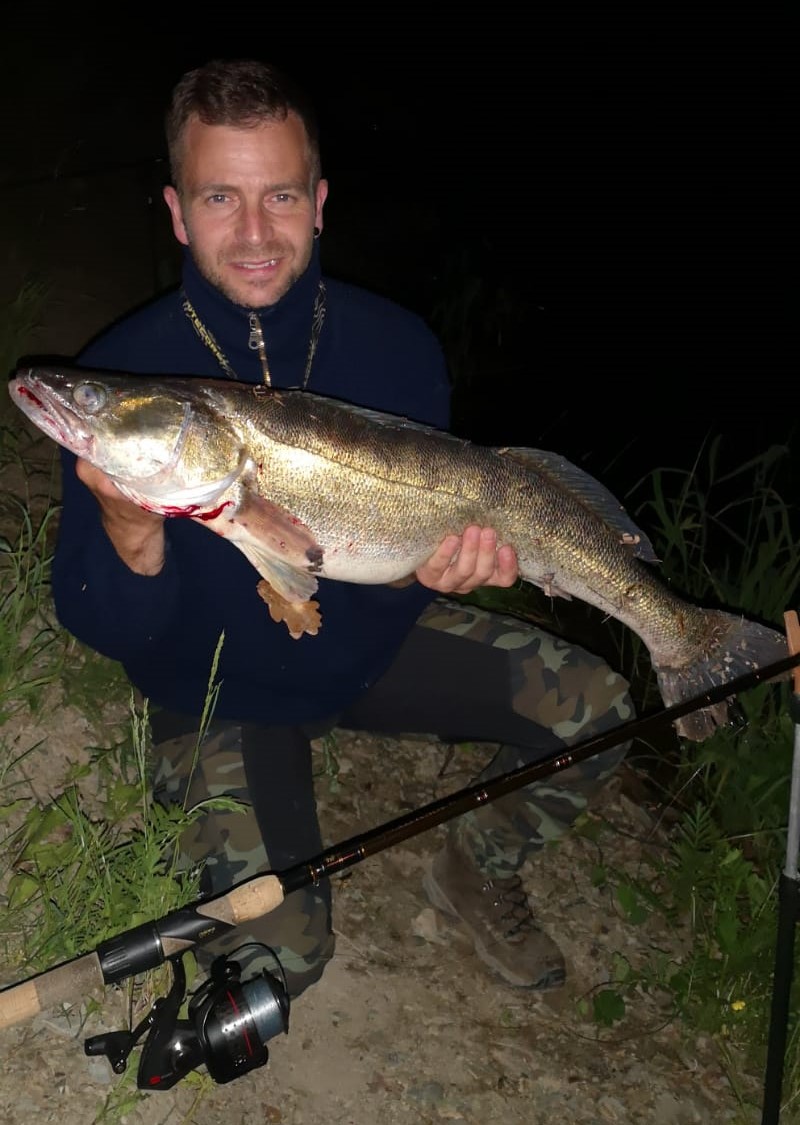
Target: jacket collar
x=286, y=325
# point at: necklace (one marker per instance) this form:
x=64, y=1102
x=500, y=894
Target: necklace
x=256, y=341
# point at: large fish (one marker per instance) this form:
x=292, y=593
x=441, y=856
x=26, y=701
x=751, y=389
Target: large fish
x=307, y=487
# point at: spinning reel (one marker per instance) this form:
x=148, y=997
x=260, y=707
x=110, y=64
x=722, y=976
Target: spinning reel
x=228, y=1026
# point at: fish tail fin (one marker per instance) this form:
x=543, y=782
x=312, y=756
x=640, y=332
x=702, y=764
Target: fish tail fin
x=738, y=646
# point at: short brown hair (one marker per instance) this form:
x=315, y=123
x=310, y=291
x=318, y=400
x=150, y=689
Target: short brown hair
x=240, y=92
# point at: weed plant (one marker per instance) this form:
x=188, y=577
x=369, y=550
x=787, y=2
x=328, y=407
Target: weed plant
x=31, y=644
x=83, y=876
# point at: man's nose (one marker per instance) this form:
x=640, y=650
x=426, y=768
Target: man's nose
x=255, y=224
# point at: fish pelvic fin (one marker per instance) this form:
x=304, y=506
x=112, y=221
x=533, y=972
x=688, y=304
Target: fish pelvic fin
x=585, y=489
x=738, y=646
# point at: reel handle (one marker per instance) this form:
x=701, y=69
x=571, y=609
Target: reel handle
x=72, y=981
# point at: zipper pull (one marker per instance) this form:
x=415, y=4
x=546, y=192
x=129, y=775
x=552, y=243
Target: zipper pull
x=256, y=341
x=256, y=344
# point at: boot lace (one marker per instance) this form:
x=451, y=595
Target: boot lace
x=511, y=905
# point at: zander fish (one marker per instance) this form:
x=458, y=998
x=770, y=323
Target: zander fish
x=310, y=487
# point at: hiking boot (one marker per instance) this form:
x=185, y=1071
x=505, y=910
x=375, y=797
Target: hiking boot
x=499, y=920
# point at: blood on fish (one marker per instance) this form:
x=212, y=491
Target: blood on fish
x=192, y=511
x=29, y=394
x=212, y=515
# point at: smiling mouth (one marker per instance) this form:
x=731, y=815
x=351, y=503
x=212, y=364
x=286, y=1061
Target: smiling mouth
x=267, y=264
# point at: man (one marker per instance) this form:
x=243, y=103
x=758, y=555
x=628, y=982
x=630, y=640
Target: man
x=247, y=202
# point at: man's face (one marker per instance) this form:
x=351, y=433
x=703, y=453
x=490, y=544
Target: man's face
x=247, y=209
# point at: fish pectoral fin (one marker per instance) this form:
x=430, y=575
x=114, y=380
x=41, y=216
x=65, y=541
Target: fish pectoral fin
x=299, y=618
x=281, y=548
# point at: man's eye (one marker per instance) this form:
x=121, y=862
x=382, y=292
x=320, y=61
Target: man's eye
x=217, y=197
x=282, y=197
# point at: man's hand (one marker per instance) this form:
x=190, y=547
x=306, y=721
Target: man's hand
x=461, y=564
x=136, y=535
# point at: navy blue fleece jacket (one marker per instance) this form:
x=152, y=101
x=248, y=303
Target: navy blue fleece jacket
x=164, y=629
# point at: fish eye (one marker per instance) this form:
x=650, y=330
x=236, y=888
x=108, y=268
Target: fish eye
x=89, y=396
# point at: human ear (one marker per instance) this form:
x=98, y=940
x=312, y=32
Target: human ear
x=172, y=200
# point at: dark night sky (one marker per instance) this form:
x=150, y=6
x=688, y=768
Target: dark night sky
x=601, y=208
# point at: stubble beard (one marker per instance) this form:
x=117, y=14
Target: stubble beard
x=214, y=273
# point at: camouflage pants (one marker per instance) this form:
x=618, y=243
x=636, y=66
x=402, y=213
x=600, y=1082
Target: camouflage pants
x=463, y=675
x=485, y=676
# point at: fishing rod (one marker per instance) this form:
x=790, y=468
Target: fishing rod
x=257, y=1010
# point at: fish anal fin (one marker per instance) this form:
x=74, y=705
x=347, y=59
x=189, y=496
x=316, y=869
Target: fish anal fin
x=299, y=618
x=548, y=584
x=553, y=590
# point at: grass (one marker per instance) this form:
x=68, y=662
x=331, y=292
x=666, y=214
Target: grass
x=86, y=856
x=90, y=861
x=31, y=645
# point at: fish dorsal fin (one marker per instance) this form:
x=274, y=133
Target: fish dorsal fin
x=561, y=473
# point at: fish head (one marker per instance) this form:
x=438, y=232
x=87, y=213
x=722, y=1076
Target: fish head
x=159, y=440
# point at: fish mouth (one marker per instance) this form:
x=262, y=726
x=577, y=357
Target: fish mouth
x=51, y=413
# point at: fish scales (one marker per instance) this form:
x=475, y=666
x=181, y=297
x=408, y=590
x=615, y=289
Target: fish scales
x=355, y=472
